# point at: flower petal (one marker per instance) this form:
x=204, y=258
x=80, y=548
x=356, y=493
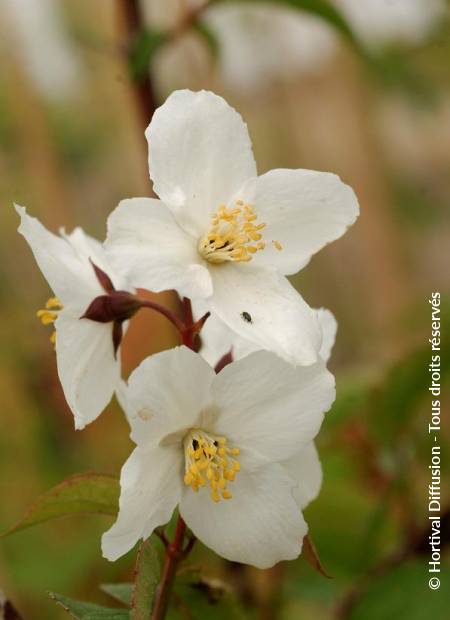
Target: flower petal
x=150, y=484
x=70, y=275
x=145, y=243
x=271, y=407
x=261, y=306
x=303, y=210
x=305, y=468
x=200, y=155
x=328, y=326
x=260, y=525
x=167, y=393
x=87, y=369
x=218, y=339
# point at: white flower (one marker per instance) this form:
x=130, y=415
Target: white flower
x=223, y=234
x=88, y=368
x=221, y=451
x=218, y=340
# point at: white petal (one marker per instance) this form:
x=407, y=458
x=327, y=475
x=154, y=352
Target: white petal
x=71, y=276
x=167, y=393
x=328, y=326
x=271, y=407
x=280, y=320
x=146, y=244
x=88, y=372
x=89, y=249
x=218, y=339
x=150, y=484
x=199, y=156
x=305, y=468
x=260, y=525
x=303, y=210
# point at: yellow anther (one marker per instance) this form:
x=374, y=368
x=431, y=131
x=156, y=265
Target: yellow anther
x=49, y=314
x=209, y=462
x=277, y=244
x=232, y=233
x=53, y=304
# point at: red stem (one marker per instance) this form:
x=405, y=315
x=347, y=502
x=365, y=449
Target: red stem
x=180, y=325
x=174, y=553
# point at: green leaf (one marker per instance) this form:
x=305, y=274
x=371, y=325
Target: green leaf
x=146, y=44
x=404, y=594
x=121, y=592
x=89, y=611
x=147, y=573
x=79, y=494
x=326, y=11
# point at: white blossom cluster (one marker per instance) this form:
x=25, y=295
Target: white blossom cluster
x=232, y=449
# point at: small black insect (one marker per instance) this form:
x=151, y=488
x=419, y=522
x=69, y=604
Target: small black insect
x=247, y=317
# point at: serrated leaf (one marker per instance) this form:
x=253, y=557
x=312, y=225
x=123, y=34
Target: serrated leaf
x=79, y=494
x=310, y=554
x=146, y=578
x=121, y=592
x=89, y=611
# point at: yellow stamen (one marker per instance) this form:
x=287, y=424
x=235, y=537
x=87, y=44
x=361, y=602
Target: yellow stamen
x=49, y=314
x=210, y=454
x=234, y=235
x=277, y=244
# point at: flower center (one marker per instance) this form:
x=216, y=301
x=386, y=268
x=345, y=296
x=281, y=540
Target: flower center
x=49, y=314
x=234, y=235
x=209, y=461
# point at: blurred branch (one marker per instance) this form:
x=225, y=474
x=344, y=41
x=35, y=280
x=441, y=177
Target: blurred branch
x=143, y=85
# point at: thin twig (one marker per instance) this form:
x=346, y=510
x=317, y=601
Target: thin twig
x=143, y=86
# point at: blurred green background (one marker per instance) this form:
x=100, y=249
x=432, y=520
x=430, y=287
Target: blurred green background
x=373, y=107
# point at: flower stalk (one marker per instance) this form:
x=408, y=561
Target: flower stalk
x=175, y=550
x=174, y=554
